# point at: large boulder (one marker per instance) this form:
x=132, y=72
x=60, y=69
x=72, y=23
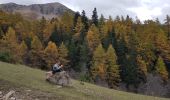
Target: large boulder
x=60, y=78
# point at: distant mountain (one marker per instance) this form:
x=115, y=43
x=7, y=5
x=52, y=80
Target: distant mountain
x=36, y=11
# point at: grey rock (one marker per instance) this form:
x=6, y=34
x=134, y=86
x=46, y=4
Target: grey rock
x=60, y=78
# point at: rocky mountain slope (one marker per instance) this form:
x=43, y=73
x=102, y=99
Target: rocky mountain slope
x=36, y=11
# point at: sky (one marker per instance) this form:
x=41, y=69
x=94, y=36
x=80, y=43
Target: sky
x=142, y=9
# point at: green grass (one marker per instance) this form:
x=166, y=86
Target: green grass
x=23, y=76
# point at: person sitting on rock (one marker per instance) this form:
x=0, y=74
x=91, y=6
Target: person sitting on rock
x=57, y=67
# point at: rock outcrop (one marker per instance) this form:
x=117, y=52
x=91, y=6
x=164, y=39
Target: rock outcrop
x=60, y=78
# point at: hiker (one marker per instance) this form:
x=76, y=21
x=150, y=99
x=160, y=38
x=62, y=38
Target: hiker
x=57, y=67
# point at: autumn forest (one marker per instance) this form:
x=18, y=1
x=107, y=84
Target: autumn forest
x=115, y=50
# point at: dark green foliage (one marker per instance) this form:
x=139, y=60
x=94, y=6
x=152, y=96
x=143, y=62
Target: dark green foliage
x=5, y=56
x=77, y=14
x=85, y=20
x=95, y=17
x=130, y=75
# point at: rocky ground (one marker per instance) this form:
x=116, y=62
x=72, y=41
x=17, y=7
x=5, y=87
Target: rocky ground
x=11, y=92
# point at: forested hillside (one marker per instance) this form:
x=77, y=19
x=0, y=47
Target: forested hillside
x=114, y=50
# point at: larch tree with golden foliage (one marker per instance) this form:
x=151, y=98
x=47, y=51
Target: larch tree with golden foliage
x=142, y=68
x=23, y=50
x=49, y=28
x=78, y=29
x=36, y=52
x=93, y=38
x=113, y=73
x=161, y=69
x=63, y=54
x=98, y=67
x=51, y=54
x=9, y=44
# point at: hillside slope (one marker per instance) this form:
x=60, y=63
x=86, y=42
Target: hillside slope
x=36, y=11
x=29, y=78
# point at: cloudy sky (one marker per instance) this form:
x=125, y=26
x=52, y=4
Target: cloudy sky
x=143, y=9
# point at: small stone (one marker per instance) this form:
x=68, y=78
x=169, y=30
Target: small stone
x=0, y=92
x=12, y=98
x=28, y=90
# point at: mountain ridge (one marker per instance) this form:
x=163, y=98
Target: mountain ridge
x=36, y=11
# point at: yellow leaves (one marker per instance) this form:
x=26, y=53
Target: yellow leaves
x=36, y=44
x=93, y=40
x=161, y=69
x=102, y=70
x=49, y=28
x=111, y=55
x=10, y=36
x=22, y=48
x=79, y=25
x=99, y=61
x=51, y=54
x=51, y=48
x=142, y=65
x=63, y=54
x=99, y=54
x=67, y=22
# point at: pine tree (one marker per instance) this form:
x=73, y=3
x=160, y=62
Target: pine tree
x=74, y=59
x=101, y=20
x=63, y=54
x=167, y=23
x=1, y=33
x=161, y=69
x=76, y=16
x=95, y=17
x=84, y=52
x=56, y=35
x=85, y=20
x=113, y=75
x=131, y=71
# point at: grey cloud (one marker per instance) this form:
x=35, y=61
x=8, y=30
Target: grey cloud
x=109, y=7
